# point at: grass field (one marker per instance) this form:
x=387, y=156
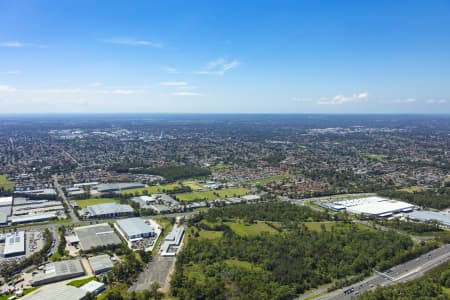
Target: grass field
x=81, y=282
x=93, y=201
x=5, y=184
x=253, y=229
x=194, y=185
x=316, y=226
x=413, y=189
x=212, y=195
x=210, y=235
x=155, y=189
x=263, y=181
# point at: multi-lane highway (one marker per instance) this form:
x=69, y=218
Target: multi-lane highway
x=407, y=271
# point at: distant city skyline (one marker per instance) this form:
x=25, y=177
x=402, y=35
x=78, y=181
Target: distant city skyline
x=225, y=57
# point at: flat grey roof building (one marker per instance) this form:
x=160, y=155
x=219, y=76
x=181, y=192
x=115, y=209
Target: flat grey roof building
x=33, y=218
x=425, y=215
x=134, y=228
x=101, y=263
x=119, y=186
x=108, y=210
x=57, y=292
x=57, y=271
x=14, y=244
x=96, y=235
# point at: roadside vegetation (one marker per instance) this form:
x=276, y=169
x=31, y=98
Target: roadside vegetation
x=279, y=250
x=434, y=285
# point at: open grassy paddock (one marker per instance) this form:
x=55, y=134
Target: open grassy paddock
x=94, y=201
x=154, y=189
x=212, y=195
x=5, y=184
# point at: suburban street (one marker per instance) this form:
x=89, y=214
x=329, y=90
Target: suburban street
x=410, y=270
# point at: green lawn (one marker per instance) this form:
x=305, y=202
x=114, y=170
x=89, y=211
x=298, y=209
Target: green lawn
x=266, y=180
x=194, y=185
x=155, y=189
x=5, y=184
x=93, y=201
x=81, y=282
x=212, y=195
x=253, y=229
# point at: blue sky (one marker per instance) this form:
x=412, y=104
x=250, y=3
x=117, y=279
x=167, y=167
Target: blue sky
x=225, y=56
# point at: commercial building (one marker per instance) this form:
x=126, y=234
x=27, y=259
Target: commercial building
x=135, y=228
x=160, y=208
x=40, y=217
x=172, y=241
x=58, y=271
x=6, y=201
x=107, y=210
x=427, y=216
x=117, y=187
x=93, y=287
x=371, y=206
x=57, y=292
x=98, y=235
x=14, y=244
x=101, y=263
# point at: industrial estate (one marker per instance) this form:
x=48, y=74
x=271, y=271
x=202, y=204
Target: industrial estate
x=196, y=225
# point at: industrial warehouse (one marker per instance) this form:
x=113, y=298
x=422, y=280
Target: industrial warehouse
x=94, y=236
x=14, y=243
x=172, y=242
x=370, y=206
x=107, y=210
x=58, y=271
x=135, y=228
x=139, y=233
x=100, y=263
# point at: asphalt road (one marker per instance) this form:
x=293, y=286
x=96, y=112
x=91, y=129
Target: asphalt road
x=410, y=270
x=58, y=188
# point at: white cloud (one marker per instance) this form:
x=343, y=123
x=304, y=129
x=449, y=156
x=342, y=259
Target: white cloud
x=96, y=84
x=18, y=44
x=58, y=91
x=186, y=94
x=170, y=70
x=341, y=99
x=406, y=100
x=174, y=83
x=134, y=42
x=12, y=72
x=436, y=101
x=13, y=44
x=219, y=66
x=6, y=89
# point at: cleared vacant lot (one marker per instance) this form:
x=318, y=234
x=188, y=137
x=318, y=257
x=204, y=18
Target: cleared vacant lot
x=93, y=201
x=212, y=195
x=155, y=189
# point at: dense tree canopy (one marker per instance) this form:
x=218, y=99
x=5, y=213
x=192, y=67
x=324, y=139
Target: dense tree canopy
x=284, y=264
